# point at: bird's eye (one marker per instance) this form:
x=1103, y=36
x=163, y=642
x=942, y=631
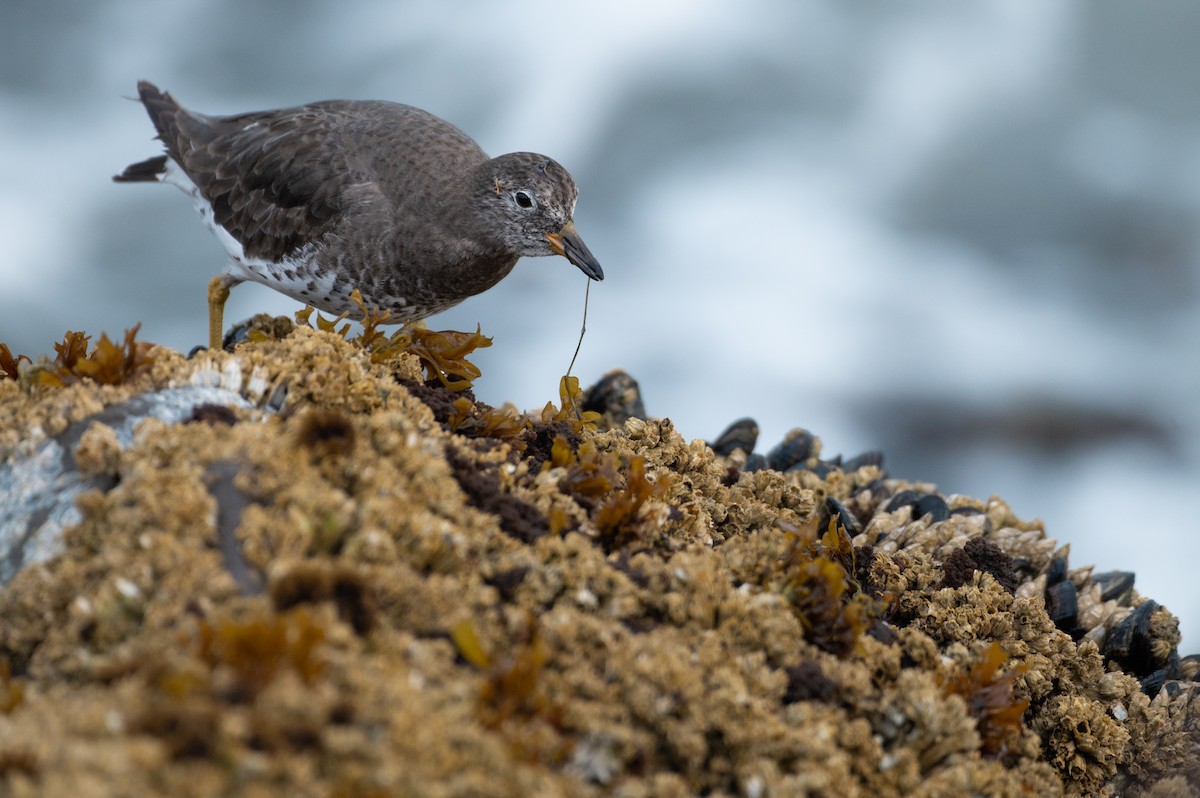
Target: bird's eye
x=523, y=199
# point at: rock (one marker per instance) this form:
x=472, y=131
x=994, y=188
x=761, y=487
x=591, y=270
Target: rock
x=361, y=582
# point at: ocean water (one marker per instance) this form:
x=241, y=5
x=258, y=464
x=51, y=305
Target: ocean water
x=965, y=234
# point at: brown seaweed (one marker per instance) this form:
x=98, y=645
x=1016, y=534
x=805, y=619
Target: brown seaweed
x=989, y=695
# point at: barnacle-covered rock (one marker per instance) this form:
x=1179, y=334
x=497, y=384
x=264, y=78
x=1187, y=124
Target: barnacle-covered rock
x=344, y=575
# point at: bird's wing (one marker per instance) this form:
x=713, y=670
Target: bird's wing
x=277, y=180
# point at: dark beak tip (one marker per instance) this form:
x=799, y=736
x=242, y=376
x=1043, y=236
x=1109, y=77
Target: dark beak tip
x=568, y=244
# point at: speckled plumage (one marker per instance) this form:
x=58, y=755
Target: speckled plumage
x=318, y=200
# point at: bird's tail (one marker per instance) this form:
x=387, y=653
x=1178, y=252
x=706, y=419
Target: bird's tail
x=147, y=171
x=169, y=120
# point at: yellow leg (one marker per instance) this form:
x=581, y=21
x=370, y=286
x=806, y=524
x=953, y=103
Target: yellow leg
x=218, y=292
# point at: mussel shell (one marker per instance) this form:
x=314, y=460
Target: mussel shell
x=831, y=508
x=871, y=458
x=795, y=448
x=616, y=396
x=1115, y=585
x=1152, y=683
x=755, y=462
x=922, y=504
x=932, y=505
x=1062, y=605
x=1057, y=571
x=741, y=434
x=901, y=499
x=1130, y=643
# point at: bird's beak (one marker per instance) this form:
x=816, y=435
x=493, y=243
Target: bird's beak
x=566, y=242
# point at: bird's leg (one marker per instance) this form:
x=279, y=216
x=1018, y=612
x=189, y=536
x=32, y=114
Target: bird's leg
x=218, y=292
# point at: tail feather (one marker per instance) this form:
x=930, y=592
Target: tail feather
x=149, y=170
x=164, y=112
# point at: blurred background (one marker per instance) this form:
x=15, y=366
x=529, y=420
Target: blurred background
x=965, y=234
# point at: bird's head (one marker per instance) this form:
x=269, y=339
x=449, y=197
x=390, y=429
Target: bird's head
x=533, y=199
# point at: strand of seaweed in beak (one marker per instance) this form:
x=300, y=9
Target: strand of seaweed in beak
x=586, y=294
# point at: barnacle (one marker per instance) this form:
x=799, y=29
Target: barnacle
x=319, y=580
x=989, y=696
x=10, y=365
x=108, y=363
x=327, y=433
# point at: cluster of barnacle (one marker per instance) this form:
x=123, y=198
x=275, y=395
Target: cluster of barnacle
x=108, y=363
x=612, y=490
x=1136, y=635
x=817, y=572
x=549, y=439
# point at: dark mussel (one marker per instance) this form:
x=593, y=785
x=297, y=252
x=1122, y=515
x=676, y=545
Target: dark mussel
x=1116, y=585
x=741, y=434
x=833, y=508
x=1057, y=571
x=755, y=462
x=1062, y=605
x=871, y=458
x=922, y=504
x=795, y=448
x=616, y=396
x=1130, y=643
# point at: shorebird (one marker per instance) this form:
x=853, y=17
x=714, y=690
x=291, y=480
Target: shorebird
x=318, y=200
